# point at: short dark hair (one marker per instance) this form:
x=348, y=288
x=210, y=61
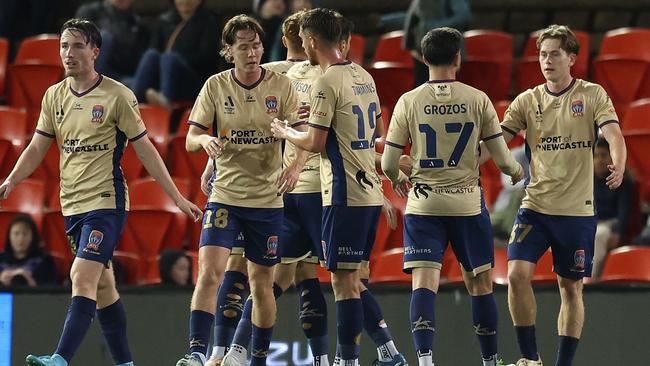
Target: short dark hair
x=34, y=249
x=440, y=45
x=322, y=23
x=347, y=27
x=568, y=40
x=234, y=25
x=88, y=30
x=291, y=29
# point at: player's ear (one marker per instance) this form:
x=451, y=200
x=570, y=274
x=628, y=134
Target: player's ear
x=457, y=59
x=572, y=59
x=96, y=52
x=284, y=41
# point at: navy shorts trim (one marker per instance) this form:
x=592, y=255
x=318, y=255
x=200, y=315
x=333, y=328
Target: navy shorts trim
x=94, y=235
x=301, y=229
x=571, y=239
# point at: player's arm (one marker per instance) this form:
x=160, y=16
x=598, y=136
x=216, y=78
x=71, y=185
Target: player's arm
x=311, y=140
x=197, y=138
x=205, y=177
x=154, y=164
x=28, y=161
x=618, y=151
x=496, y=146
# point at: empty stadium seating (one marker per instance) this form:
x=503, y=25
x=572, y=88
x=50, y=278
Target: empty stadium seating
x=388, y=268
x=41, y=49
x=389, y=49
x=636, y=117
x=627, y=264
x=27, y=197
x=156, y=119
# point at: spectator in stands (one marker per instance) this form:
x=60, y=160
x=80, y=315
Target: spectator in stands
x=423, y=15
x=184, y=53
x=612, y=207
x=279, y=51
x=23, y=262
x=271, y=14
x=124, y=37
x=175, y=268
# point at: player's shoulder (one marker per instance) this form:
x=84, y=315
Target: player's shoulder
x=588, y=87
x=304, y=70
x=275, y=77
x=279, y=67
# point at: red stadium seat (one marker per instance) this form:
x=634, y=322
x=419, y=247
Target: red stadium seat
x=623, y=66
x=157, y=121
x=183, y=127
x=636, y=117
x=392, y=80
x=544, y=270
x=388, y=268
x=386, y=115
x=627, y=264
x=42, y=49
x=501, y=107
x=389, y=48
x=49, y=172
x=4, y=53
x=324, y=276
x=357, y=49
x=12, y=137
x=131, y=266
x=488, y=62
x=28, y=197
x=184, y=164
x=500, y=270
x=132, y=167
x=490, y=179
x=154, y=222
x=56, y=240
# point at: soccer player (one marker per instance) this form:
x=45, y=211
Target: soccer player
x=91, y=117
x=446, y=120
x=238, y=104
x=561, y=118
x=344, y=120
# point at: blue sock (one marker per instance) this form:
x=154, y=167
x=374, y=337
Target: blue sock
x=423, y=319
x=80, y=315
x=313, y=315
x=566, y=351
x=372, y=317
x=486, y=319
x=230, y=304
x=242, y=335
x=527, y=342
x=349, y=320
x=260, y=345
x=200, y=325
x=112, y=320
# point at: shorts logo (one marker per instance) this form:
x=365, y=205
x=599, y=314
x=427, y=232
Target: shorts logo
x=578, y=261
x=94, y=239
x=577, y=108
x=97, y=113
x=271, y=247
x=271, y=104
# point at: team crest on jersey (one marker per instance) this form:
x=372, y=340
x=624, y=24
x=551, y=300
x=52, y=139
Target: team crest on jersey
x=97, y=113
x=271, y=104
x=579, y=259
x=94, y=239
x=577, y=108
x=271, y=247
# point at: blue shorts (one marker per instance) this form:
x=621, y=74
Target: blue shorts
x=94, y=235
x=223, y=224
x=571, y=239
x=426, y=238
x=348, y=235
x=301, y=229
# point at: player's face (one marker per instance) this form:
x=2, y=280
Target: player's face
x=77, y=54
x=554, y=61
x=247, y=50
x=308, y=46
x=601, y=160
x=20, y=237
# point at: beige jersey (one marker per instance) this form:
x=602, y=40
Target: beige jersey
x=281, y=67
x=560, y=132
x=445, y=121
x=91, y=131
x=303, y=75
x=247, y=172
x=344, y=102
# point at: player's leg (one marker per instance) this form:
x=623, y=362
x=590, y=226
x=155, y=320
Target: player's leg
x=112, y=319
x=570, y=319
x=485, y=316
x=349, y=315
x=264, y=310
x=313, y=310
x=528, y=242
x=425, y=240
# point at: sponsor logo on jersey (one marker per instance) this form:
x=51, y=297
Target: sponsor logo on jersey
x=271, y=104
x=229, y=106
x=554, y=143
x=420, y=189
x=577, y=108
x=97, y=113
x=362, y=179
x=60, y=114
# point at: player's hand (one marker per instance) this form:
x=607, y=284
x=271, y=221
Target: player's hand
x=205, y=179
x=304, y=111
x=6, y=188
x=6, y=276
x=402, y=186
x=615, y=179
x=406, y=164
x=514, y=179
x=190, y=209
x=289, y=178
x=214, y=146
x=280, y=129
x=390, y=212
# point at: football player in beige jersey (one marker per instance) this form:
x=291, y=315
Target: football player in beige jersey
x=344, y=122
x=446, y=120
x=91, y=117
x=561, y=118
x=238, y=104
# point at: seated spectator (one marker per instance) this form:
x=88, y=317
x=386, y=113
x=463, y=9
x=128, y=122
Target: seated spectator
x=184, y=53
x=124, y=37
x=271, y=14
x=23, y=262
x=175, y=268
x=612, y=207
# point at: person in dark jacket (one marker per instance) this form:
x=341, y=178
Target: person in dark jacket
x=175, y=268
x=184, y=53
x=271, y=14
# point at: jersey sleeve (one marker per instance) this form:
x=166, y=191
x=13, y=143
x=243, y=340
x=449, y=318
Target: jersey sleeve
x=514, y=119
x=45, y=125
x=323, y=104
x=129, y=120
x=490, y=127
x=398, y=129
x=290, y=108
x=604, y=112
x=204, y=109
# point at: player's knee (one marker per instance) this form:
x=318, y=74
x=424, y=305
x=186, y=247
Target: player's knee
x=346, y=284
x=209, y=277
x=481, y=284
x=570, y=289
x=518, y=277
